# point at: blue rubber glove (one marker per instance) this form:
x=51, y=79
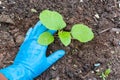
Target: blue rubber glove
x=31, y=59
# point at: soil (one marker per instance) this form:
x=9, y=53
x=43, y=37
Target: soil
x=102, y=16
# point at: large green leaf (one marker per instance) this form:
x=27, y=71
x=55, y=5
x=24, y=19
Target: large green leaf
x=82, y=33
x=52, y=20
x=45, y=38
x=65, y=37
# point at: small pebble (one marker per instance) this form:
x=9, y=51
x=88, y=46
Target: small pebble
x=33, y=10
x=117, y=32
x=53, y=68
x=112, y=52
x=92, y=72
x=98, y=70
x=80, y=71
x=119, y=5
x=3, y=7
x=97, y=16
x=81, y=0
x=75, y=65
x=0, y=2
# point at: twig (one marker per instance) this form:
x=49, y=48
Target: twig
x=115, y=29
x=104, y=30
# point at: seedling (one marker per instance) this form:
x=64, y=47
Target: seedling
x=105, y=74
x=54, y=21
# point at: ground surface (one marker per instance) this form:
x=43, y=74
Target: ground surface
x=103, y=16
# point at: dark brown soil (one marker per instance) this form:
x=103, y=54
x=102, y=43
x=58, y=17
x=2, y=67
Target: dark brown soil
x=78, y=63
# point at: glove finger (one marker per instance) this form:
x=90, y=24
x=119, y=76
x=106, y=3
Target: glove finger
x=55, y=56
x=37, y=30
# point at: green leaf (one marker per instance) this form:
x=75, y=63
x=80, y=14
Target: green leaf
x=45, y=38
x=82, y=33
x=103, y=75
x=52, y=20
x=65, y=37
x=107, y=72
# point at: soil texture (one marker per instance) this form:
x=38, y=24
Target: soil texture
x=102, y=16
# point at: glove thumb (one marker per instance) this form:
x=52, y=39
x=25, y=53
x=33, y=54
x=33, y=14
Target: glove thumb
x=55, y=56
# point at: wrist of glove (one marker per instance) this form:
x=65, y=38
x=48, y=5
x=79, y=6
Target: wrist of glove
x=17, y=72
x=31, y=59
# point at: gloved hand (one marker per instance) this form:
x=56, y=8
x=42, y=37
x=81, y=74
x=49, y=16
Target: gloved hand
x=31, y=59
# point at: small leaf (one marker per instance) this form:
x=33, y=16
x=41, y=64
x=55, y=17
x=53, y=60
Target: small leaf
x=103, y=76
x=82, y=33
x=107, y=72
x=45, y=38
x=52, y=20
x=65, y=37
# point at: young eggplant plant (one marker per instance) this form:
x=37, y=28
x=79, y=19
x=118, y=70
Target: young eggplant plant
x=54, y=21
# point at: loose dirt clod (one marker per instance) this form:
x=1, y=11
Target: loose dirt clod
x=6, y=19
x=19, y=39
